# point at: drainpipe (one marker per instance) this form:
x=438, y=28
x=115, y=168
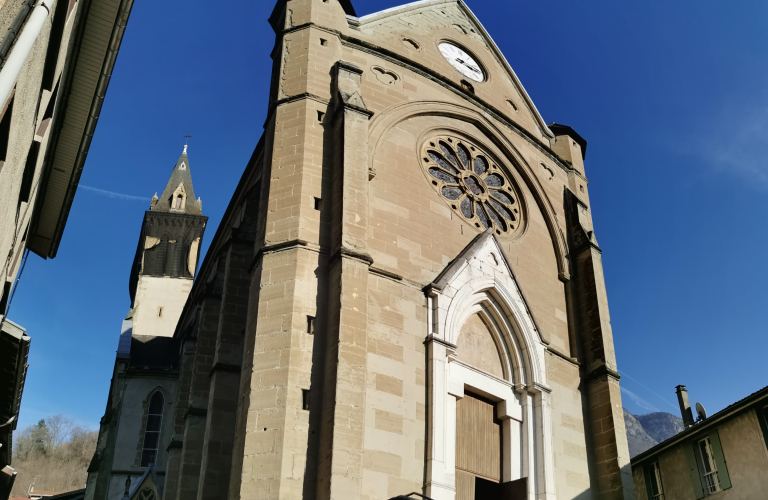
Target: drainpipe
x=23, y=47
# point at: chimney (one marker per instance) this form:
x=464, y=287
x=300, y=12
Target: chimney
x=685, y=406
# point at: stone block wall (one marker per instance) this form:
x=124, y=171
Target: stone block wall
x=331, y=398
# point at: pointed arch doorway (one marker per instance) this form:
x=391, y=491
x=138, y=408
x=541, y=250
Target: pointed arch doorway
x=480, y=434
x=489, y=422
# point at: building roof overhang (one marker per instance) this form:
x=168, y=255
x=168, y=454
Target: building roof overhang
x=98, y=34
x=14, y=352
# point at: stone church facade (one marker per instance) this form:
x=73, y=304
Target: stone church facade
x=405, y=294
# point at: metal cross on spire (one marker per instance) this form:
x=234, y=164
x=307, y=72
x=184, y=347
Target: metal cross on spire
x=186, y=142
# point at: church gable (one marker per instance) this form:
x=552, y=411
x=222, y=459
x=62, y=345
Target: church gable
x=417, y=31
x=145, y=488
x=484, y=262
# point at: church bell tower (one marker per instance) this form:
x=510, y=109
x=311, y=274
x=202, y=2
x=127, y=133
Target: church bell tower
x=167, y=254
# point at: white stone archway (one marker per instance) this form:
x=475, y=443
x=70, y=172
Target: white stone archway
x=481, y=281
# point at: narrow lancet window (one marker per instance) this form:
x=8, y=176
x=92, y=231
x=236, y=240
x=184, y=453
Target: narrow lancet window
x=152, y=432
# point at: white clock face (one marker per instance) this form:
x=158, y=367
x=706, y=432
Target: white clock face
x=462, y=61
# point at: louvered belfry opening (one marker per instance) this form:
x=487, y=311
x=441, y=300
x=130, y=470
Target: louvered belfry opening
x=478, y=445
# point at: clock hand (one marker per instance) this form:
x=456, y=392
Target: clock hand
x=473, y=68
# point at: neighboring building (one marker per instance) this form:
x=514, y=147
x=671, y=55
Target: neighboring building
x=14, y=351
x=71, y=495
x=137, y=427
x=724, y=455
x=41, y=494
x=56, y=59
x=404, y=294
x=47, y=495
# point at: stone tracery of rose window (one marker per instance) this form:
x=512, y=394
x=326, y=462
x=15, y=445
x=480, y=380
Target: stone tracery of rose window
x=472, y=184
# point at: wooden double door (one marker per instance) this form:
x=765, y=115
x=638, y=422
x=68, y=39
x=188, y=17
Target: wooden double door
x=479, y=454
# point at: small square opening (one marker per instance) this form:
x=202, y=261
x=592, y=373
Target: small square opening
x=320, y=116
x=318, y=204
x=323, y=42
x=311, y=325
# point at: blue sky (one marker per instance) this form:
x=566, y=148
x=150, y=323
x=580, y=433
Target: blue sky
x=672, y=97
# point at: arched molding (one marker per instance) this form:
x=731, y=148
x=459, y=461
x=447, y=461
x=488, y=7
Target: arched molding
x=514, y=338
x=480, y=281
x=386, y=120
x=510, y=363
x=162, y=390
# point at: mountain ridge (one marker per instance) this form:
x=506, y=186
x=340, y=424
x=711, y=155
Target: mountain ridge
x=646, y=431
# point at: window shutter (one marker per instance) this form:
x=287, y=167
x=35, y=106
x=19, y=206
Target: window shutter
x=693, y=470
x=647, y=471
x=722, y=469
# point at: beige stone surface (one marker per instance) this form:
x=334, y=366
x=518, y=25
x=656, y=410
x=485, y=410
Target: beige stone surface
x=350, y=233
x=477, y=348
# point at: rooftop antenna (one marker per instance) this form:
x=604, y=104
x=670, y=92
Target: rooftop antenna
x=701, y=411
x=186, y=142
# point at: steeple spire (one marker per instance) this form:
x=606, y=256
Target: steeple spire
x=179, y=195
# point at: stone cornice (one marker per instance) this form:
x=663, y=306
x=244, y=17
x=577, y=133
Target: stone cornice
x=284, y=245
x=195, y=412
x=564, y=356
x=175, y=443
x=437, y=340
x=224, y=367
x=600, y=372
x=294, y=98
x=537, y=387
x=152, y=373
x=385, y=273
x=136, y=472
x=346, y=253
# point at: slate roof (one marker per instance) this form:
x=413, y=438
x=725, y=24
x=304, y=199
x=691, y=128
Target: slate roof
x=181, y=175
x=154, y=353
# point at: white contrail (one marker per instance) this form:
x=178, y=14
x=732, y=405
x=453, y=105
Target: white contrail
x=642, y=403
x=625, y=374
x=112, y=194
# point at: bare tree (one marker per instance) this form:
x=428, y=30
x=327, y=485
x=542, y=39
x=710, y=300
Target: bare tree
x=60, y=428
x=54, y=454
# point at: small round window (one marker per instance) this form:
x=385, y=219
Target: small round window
x=472, y=184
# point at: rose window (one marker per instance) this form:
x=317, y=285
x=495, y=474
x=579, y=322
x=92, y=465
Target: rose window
x=473, y=185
